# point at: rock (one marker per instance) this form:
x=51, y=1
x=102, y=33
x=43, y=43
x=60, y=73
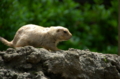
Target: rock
x=38, y=63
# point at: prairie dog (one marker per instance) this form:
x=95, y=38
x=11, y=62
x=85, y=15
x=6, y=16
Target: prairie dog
x=39, y=36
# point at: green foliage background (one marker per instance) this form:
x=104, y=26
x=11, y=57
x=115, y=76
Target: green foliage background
x=94, y=26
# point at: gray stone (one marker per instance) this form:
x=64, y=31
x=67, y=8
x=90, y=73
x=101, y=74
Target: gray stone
x=38, y=63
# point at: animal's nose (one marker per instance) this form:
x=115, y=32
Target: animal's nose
x=70, y=35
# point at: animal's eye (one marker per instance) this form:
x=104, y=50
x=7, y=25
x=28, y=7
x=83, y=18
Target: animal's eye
x=65, y=31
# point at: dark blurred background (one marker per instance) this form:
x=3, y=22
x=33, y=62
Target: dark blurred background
x=93, y=23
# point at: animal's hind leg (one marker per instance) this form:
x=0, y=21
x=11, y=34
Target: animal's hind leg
x=21, y=43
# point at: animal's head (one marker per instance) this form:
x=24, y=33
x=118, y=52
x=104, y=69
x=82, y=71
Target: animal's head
x=62, y=33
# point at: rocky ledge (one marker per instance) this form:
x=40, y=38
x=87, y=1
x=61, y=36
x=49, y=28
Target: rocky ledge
x=38, y=63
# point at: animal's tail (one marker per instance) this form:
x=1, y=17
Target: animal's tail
x=6, y=42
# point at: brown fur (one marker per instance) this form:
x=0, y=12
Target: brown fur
x=39, y=36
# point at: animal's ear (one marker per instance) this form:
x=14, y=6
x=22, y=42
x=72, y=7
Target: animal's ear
x=58, y=30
